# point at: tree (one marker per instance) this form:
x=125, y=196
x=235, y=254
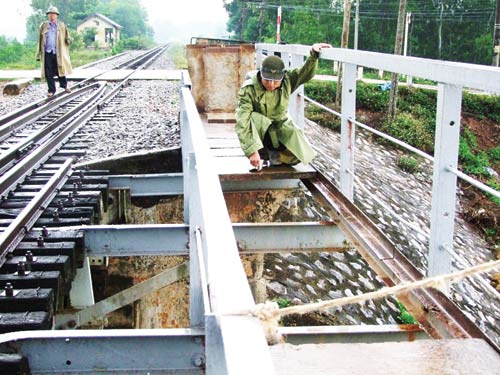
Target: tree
x=398, y=49
x=128, y=13
x=89, y=36
x=71, y=12
x=466, y=25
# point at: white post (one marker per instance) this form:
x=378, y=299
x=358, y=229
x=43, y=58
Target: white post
x=278, y=26
x=347, y=134
x=409, y=79
x=296, y=105
x=444, y=183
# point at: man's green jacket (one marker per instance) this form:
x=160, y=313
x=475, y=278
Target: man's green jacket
x=260, y=110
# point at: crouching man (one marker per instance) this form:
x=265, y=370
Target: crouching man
x=263, y=125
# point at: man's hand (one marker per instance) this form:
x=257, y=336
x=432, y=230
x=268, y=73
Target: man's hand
x=255, y=160
x=317, y=46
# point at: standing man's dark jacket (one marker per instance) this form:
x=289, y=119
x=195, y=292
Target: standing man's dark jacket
x=63, y=41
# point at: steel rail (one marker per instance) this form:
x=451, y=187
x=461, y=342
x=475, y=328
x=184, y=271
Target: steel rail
x=43, y=153
x=14, y=233
x=137, y=60
x=42, y=110
x=14, y=151
x=34, y=105
x=439, y=316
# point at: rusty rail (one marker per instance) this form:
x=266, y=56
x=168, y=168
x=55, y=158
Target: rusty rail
x=437, y=314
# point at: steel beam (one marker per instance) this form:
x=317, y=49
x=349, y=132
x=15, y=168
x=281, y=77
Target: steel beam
x=146, y=185
x=289, y=237
x=172, y=239
x=112, y=351
x=352, y=334
x=134, y=240
x=167, y=184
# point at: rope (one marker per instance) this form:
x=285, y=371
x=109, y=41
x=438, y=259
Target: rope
x=269, y=313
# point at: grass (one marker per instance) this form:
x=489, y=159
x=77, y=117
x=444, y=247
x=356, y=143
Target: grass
x=26, y=60
x=177, y=53
x=85, y=56
x=409, y=164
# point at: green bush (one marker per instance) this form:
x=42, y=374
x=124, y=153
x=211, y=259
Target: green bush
x=473, y=162
x=89, y=36
x=494, y=154
x=494, y=184
x=322, y=117
x=409, y=164
x=177, y=53
x=410, y=129
x=371, y=97
x=481, y=106
x=321, y=91
x=14, y=55
x=133, y=43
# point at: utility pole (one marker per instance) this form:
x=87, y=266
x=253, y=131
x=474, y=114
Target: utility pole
x=243, y=21
x=356, y=36
x=343, y=44
x=356, y=25
x=261, y=18
x=398, y=46
x=440, y=29
x=409, y=79
x=496, y=36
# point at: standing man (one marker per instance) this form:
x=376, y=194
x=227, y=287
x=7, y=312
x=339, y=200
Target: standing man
x=263, y=126
x=53, y=52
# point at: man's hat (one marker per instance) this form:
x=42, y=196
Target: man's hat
x=52, y=9
x=272, y=68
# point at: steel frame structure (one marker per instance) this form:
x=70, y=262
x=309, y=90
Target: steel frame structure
x=218, y=342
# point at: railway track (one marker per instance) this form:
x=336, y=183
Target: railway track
x=40, y=191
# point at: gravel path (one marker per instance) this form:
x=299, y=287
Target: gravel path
x=112, y=63
x=34, y=92
x=162, y=62
x=146, y=115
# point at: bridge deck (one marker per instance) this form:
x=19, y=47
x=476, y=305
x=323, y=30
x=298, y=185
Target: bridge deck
x=231, y=163
x=390, y=358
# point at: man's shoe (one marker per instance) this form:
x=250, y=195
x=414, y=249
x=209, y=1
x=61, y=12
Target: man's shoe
x=67, y=90
x=50, y=95
x=274, y=158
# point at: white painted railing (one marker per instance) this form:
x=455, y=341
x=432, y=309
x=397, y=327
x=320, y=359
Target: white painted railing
x=452, y=78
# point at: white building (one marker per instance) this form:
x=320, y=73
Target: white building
x=108, y=31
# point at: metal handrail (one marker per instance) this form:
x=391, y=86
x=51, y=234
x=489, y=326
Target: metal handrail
x=226, y=282
x=459, y=174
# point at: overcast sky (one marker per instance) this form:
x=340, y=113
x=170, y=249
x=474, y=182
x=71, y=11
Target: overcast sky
x=172, y=20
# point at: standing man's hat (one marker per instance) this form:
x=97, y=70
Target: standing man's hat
x=272, y=68
x=52, y=9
